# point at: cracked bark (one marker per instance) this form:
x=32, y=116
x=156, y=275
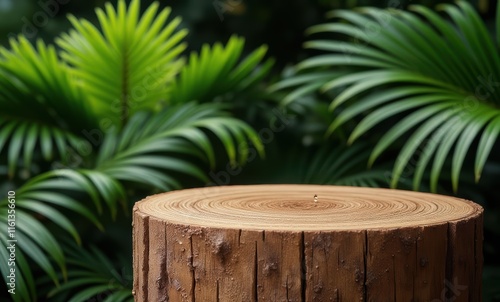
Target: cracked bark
x=187, y=262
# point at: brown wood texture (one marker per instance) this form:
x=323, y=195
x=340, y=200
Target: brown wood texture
x=279, y=243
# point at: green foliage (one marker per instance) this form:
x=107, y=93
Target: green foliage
x=37, y=86
x=148, y=145
x=93, y=274
x=340, y=166
x=125, y=67
x=201, y=78
x=91, y=126
x=437, y=78
x=41, y=105
x=44, y=196
x=334, y=164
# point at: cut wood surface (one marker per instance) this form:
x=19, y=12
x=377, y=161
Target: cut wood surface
x=306, y=243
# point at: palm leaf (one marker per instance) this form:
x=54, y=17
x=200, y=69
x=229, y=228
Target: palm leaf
x=36, y=86
x=327, y=165
x=23, y=140
x=42, y=198
x=342, y=165
x=218, y=70
x=25, y=285
x=91, y=275
x=124, y=66
x=419, y=68
x=40, y=107
x=149, y=147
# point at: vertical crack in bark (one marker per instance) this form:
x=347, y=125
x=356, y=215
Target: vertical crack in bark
x=217, y=291
x=365, y=267
x=159, y=251
x=303, y=267
x=413, y=287
x=475, y=263
x=165, y=268
x=135, y=254
x=145, y=258
x=449, y=256
x=394, y=277
x=286, y=287
x=256, y=269
x=416, y=264
x=191, y=266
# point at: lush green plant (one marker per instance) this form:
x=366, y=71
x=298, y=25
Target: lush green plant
x=434, y=79
x=98, y=124
x=325, y=165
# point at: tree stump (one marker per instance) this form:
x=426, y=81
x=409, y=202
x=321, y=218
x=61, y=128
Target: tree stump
x=306, y=243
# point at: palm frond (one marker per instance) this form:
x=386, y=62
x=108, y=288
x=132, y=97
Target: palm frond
x=149, y=146
x=41, y=200
x=328, y=165
x=345, y=166
x=91, y=275
x=24, y=286
x=218, y=70
x=439, y=78
x=125, y=64
x=22, y=140
x=36, y=86
x=40, y=107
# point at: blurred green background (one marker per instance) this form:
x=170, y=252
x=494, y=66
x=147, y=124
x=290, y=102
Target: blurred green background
x=280, y=25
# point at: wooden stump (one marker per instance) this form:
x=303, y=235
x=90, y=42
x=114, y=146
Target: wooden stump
x=280, y=243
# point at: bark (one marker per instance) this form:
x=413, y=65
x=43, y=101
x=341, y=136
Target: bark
x=276, y=243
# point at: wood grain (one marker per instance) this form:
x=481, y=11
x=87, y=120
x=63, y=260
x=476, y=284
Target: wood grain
x=279, y=243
